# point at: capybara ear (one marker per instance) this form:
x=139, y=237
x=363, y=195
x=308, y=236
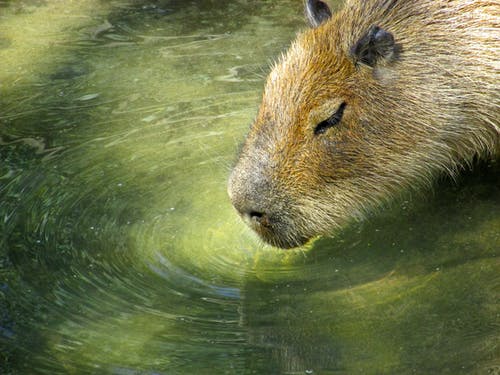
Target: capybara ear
x=317, y=12
x=376, y=44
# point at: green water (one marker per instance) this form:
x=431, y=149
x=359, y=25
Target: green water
x=121, y=254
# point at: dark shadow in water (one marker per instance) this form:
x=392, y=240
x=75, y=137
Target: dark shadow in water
x=415, y=289
x=211, y=16
x=40, y=190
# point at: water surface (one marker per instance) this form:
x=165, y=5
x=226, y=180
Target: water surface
x=120, y=252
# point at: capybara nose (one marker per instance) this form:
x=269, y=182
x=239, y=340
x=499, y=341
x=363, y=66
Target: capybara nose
x=249, y=199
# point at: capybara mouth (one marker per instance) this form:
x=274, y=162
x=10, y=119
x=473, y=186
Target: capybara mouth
x=277, y=234
x=283, y=242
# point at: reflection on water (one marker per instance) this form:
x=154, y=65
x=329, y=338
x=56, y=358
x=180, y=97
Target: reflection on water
x=120, y=253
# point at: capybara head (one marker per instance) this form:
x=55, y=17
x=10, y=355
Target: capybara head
x=346, y=121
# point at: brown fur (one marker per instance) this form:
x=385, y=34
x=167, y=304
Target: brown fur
x=430, y=108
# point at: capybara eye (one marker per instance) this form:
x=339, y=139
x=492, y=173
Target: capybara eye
x=333, y=120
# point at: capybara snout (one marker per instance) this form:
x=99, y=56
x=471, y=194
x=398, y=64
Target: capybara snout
x=261, y=204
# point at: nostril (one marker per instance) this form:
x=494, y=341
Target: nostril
x=260, y=218
x=256, y=215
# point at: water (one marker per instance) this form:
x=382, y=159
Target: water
x=120, y=252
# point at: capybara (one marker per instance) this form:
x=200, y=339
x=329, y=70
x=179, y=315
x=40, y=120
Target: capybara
x=379, y=97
